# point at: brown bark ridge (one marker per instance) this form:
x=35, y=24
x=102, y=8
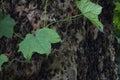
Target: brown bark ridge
x=83, y=54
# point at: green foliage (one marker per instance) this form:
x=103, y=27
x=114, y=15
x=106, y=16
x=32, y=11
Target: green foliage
x=3, y=58
x=40, y=42
x=117, y=8
x=90, y=11
x=118, y=40
x=116, y=20
x=117, y=32
x=2, y=15
x=117, y=15
x=6, y=26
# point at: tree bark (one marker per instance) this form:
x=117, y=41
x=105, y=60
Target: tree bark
x=83, y=54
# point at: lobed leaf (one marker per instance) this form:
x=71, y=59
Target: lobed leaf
x=6, y=26
x=91, y=11
x=51, y=35
x=3, y=58
x=40, y=42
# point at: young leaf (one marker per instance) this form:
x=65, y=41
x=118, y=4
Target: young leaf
x=40, y=43
x=3, y=58
x=51, y=35
x=90, y=11
x=6, y=26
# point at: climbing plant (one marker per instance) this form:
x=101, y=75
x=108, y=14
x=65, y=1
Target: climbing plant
x=91, y=11
x=6, y=29
x=6, y=26
x=40, y=42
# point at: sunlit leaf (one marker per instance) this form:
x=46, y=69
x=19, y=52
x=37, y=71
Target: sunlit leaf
x=91, y=11
x=40, y=43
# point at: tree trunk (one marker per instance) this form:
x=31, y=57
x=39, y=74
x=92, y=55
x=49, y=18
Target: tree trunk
x=83, y=54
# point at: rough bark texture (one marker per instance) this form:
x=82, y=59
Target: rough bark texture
x=84, y=53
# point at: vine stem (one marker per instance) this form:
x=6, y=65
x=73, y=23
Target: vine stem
x=62, y=20
x=66, y=19
x=45, y=12
x=18, y=60
x=18, y=36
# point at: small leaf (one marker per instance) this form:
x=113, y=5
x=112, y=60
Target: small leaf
x=6, y=26
x=40, y=43
x=91, y=11
x=51, y=35
x=3, y=58
x=31, y=44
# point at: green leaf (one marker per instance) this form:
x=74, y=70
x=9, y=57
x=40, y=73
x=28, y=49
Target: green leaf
x=116, y=18
x=118, y=40
x=117, y=8
x=40, y=43
x=6, y=26
x=90, y=11
x=3, y=58
x=52, y=36
x=116, y=21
